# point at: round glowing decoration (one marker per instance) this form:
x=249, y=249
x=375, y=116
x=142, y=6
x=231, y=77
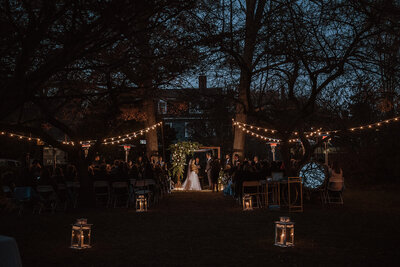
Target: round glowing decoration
x=313, y=174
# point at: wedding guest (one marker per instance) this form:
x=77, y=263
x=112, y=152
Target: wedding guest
x=140, y=167
x=71, y=174
x=228, y=162
x=236, y=161
x=336, y=177
x=58, y=175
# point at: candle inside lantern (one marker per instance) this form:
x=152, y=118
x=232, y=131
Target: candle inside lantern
x=282, y=236
x=282, y=239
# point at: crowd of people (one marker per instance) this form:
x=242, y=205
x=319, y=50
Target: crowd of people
x=237, y=171
x=120, y=171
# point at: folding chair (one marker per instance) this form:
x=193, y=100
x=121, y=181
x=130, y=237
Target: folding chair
x=102, y=191
x=7, y=191
x=73, y=191
x=22, y=196
x=48, y=198
x=252, y=185
x=62, y=194
x=334, y=191
x=120, y=190
x=277, y=176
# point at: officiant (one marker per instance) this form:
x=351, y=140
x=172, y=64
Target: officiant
x=200, y=169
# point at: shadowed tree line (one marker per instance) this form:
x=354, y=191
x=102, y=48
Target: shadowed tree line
x=94, y=69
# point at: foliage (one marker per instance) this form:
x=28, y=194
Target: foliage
x=179, y=152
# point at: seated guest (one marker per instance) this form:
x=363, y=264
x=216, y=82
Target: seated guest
x=71, y=174
x=58, y=175
x=336, y=179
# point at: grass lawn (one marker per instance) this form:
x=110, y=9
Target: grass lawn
x=204, y=228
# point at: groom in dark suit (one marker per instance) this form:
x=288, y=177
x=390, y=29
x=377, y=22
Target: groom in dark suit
x=208, y=169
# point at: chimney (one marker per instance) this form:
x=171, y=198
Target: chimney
x=202, y=82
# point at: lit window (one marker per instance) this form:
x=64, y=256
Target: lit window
x=162, y=107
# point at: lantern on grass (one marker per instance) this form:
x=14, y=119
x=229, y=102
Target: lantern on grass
x=81, y=232
x=141, y=203
x=221, y=187
x=247, y=202
x=284, y=232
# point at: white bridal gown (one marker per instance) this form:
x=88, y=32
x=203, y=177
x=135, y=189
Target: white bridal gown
x=192, y=181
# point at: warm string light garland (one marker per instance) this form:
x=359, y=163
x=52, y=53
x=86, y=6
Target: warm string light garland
x=266, y=138
x=110, y=140
x=129, y=136
x=20, y=136
x=245, y=128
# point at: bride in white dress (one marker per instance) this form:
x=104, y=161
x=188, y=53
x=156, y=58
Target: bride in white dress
x=192, y=181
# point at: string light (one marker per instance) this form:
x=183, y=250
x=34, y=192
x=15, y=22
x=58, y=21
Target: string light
x=320, y=131
x=109, y=140
x=266, y=138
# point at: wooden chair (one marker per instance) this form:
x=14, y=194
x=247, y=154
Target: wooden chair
x=295, y=194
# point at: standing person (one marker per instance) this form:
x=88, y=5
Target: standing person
x=192, y=181
x=197, y=163
x=208, y=169
x=215, y=169
x=228, y=162
x=236, y=161
x=336, y=181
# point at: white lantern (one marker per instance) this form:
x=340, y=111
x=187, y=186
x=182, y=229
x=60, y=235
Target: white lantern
x=284, y=232
x=81, y=232
x=247, y=202
x=141, y=203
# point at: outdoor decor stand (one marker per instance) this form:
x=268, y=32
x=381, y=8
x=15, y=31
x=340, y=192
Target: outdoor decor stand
x=295, y=194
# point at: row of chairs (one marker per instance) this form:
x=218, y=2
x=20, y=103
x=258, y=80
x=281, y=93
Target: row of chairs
x=269, y=193
x=111, y=194
x=44, y=197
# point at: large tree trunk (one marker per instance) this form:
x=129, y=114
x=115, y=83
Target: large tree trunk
x=151, y=136
x=86, y=195
x=254, y=11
